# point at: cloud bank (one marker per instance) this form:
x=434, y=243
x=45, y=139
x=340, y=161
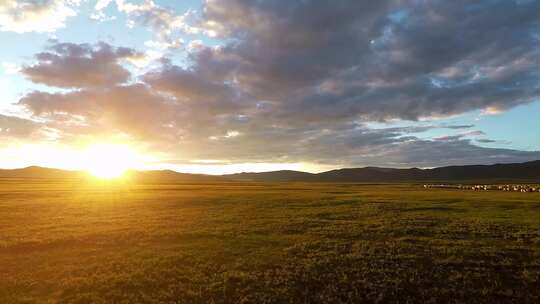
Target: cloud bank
x=69, y=65
x=299, y=81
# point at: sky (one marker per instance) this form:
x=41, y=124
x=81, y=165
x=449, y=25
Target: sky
x=257, y=85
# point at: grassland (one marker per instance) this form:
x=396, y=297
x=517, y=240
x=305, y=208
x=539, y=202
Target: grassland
x=76, y=242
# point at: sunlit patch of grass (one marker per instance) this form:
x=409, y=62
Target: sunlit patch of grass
x=102, y=242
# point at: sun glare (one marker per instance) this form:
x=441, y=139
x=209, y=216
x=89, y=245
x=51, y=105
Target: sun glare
x=109, y=161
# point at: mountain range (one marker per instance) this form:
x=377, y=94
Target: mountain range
x=529, y=171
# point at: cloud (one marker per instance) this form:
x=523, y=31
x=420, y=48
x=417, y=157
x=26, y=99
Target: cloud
x=456, y=152
x=132, y=110
x=300, y=81
x=168, y=25
x=200, y=94
x=485, y=140
x=164, y=22
x=459, y=126
x=473, y=133
x=23, y=16
x=102, y=4
x=69, y=65
x=356, y=59
x=15, y=127
x=350, y=145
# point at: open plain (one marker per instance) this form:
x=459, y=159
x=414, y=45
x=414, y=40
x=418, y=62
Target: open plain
x=240, y=242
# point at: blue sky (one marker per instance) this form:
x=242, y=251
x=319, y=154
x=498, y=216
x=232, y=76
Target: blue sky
x=516, y=128
x=79, y=29
x=232, y=85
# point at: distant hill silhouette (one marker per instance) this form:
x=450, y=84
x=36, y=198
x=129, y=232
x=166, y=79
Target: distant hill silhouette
x=40, y=172
x=169, y=176
x=529, y=171
x=272, y=176
x=521, y=171
x=157, y=176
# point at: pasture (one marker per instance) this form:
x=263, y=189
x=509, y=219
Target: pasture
x=82, y=242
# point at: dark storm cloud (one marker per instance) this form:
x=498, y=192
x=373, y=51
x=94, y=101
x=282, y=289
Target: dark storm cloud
x=69, y=65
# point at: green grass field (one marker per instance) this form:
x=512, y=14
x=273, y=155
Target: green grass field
x=73, y=242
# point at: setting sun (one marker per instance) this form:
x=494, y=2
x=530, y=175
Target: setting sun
x=109, y=161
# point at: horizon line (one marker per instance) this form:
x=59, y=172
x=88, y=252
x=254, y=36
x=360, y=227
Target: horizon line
x=256, y=172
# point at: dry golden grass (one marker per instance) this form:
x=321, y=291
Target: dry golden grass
x=76, y=242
